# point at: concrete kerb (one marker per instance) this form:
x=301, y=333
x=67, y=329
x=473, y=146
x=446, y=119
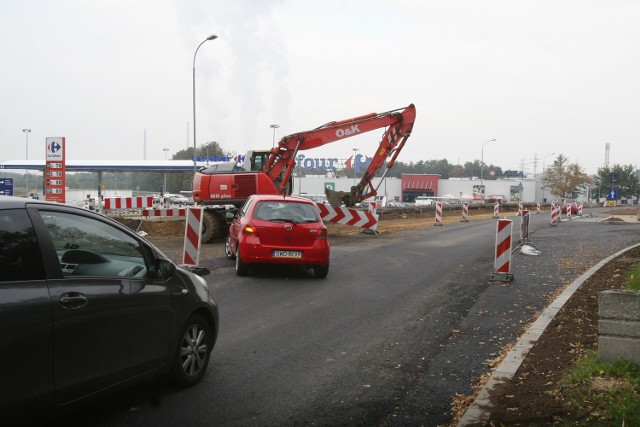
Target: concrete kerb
x=480, y=410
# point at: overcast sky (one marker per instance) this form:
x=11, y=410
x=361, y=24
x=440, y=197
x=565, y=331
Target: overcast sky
x=540, y=77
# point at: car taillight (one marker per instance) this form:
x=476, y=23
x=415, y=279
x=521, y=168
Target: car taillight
x=249, y=229
x=322, y=234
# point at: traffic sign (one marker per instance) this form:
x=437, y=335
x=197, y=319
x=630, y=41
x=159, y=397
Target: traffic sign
x=612, y=195
x=6, y=186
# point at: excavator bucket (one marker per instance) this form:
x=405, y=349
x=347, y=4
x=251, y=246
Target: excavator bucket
x=338, y=198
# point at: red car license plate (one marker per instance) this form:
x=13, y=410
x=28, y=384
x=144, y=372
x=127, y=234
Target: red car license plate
x=287, y=254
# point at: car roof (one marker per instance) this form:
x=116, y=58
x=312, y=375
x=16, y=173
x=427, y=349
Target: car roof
x=12, y=202
x=279, y=197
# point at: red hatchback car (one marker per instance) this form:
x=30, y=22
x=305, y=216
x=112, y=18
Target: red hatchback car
x=273, y=229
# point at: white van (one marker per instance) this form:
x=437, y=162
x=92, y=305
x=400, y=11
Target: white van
x=424, y=201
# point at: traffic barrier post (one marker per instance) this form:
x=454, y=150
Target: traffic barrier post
x=568, y=211
x=465, y=212
x=520, y=209
x=555, y=214
x=192, y=236
x=538, y=207
x=438, y=214
x=580, y=209
x=502, y=262
x=496, y=210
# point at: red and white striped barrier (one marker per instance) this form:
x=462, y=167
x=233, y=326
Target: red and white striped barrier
x=520, y=209
x=568, y=211
x=537, y=207
x=192, y=236
x=128, y=202
x=438, y=213
x=580, y=206
x=496, y=209
x=502, y=263
x=555, y=214
x=524, y=225
x=346, y=216
x=164, y=212
x=465, y=212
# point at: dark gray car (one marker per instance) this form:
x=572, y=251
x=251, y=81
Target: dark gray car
x=88, y=306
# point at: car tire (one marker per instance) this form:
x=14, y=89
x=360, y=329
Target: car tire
x=211, y=228
x=242, y=269
x=227, y=248
x=321, y=271
x=192, y=355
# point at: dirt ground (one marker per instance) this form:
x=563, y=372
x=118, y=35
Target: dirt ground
x=536, y=395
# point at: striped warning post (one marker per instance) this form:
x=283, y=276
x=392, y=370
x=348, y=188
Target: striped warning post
x=520, y=209
x=164, y=212
x=580, y=206
x=496, y=209
x=347, y=216
x=555, y=214
x=537, y=207
x=568, y=211
x=465, y=212
x=502, y=263
x=192, y=236
x=438, y=213
x=524, y=225
x=128, y=202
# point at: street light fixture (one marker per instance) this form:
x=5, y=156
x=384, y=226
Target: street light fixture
x=166, y=150
x=274, y=127
x=211, y=37
x=26, y=134
x=482, y=159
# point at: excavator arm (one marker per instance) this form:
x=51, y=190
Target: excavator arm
x=399, y=124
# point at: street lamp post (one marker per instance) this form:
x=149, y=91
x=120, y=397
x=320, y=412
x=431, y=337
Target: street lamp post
x=26, y=175
x=355, y=151
x=543, y=172
x=482, y=160
x=164, y=186
x=211, y=37
x=274, y=127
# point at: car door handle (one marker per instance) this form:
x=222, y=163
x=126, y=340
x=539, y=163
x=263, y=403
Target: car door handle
x=73, y=300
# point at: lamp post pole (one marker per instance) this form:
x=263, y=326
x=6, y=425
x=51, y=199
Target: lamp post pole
x=482, y=160
x=164, y=187
x=26, y=175
x=543, y=172
x=274, y=127
x=211, y=37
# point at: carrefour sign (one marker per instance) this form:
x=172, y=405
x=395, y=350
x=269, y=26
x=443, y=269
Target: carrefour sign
x=360, y=164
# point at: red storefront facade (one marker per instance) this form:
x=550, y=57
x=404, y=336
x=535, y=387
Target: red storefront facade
x=414, y=185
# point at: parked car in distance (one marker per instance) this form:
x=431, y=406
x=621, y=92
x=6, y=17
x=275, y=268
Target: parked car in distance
x=87, y=307
x=273, y=229
x=424, y=201
x=565, y=208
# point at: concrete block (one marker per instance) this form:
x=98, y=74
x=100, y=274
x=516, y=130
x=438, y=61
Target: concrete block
x=619, y=304
x=613, y=348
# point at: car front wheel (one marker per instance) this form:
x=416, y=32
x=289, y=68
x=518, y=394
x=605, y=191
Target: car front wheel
x=194, y=350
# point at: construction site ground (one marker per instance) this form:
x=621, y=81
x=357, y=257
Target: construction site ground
x=536, y=396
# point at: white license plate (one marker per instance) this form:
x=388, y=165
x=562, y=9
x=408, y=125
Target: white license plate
x=287, y=254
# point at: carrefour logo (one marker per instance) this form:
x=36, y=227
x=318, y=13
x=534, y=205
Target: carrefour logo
x=54, y=147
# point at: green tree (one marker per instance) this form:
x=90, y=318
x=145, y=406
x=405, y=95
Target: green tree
x=565, y=179
x=626, y=181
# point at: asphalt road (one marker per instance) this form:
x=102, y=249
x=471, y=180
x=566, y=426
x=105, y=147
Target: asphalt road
x=402, y=324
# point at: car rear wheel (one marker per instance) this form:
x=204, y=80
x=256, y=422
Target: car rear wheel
x=227, y=248
x=321, y=271
x=242, y=269
x=192, y=356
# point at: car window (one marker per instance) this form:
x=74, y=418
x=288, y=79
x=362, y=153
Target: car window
x=88, y=247
x=286, y=211
x=245, y=207
x=20, y=257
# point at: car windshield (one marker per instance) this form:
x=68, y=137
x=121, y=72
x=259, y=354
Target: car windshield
x=286, y=211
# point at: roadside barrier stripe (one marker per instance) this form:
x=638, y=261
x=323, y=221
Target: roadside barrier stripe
x=192, y=236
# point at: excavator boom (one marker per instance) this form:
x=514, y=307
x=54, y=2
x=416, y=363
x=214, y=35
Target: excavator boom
x=399, y=124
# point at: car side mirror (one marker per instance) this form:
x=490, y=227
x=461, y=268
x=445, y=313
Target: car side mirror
x=162, y=269
x=230, y=215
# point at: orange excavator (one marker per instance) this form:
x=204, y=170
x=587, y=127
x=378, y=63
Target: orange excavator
x=224, y=187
